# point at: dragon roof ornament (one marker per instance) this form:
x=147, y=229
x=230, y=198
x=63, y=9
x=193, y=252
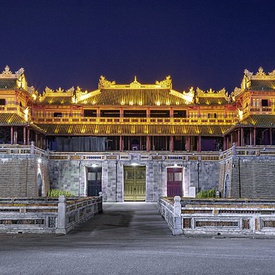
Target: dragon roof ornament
x=104, y=83
x=166, y=83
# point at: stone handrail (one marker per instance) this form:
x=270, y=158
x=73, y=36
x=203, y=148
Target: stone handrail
x=15, y=149
x=219, y=216
x=248, y=151
x=59, y=216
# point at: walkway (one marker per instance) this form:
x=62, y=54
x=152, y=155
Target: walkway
x=132, y=238
x=126, y=221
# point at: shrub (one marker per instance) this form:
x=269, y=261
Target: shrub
x=206, y=194
x=55, y=193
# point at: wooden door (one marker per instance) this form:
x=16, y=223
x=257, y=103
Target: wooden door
x=174, y=182
x=134, y=183
x=94, y=182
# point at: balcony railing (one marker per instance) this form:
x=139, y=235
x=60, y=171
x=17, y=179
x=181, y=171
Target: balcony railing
x=124, y=120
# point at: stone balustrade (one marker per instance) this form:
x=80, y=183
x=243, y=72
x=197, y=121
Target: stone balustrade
x=47, y=215
x=219, y=217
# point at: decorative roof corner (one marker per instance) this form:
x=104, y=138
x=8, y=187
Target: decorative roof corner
x=104, y=83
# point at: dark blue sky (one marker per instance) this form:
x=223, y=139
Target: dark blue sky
x=200, y=43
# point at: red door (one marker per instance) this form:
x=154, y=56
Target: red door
x=174, y=182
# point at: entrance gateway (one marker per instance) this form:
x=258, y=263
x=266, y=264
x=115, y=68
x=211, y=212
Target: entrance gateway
x=134, y=183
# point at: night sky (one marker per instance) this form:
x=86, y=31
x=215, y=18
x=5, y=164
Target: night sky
x=200, y=43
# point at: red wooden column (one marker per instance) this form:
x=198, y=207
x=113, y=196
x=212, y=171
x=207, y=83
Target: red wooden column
x=242, y=137
x=28, y=136
x=187, y=145
x=36, y=139
x=250, y=136
x=171, y=144
x=199, y=144
x=270, y=136
x=11, y=134
x=239, y=138
x=254, y=136
x=24, y=136
x=120, y=143
x=148, y=143
x=225, y=143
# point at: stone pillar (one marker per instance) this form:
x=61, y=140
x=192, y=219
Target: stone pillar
x=61, y=219
x=177, y=228
x=32, y=147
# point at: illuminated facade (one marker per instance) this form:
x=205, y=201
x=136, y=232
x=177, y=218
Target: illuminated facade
x=137, y=118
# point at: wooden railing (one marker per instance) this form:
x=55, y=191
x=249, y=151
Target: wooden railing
x=124, y=120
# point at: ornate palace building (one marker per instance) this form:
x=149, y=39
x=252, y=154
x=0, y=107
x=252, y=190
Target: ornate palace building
x=135, y=141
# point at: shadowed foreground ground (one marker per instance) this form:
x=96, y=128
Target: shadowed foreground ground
x=132, y=238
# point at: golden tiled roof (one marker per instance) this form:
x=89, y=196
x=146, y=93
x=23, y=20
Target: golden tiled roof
x=259, y=121
x=11, y=119
x=118, y=129
x=135, y=97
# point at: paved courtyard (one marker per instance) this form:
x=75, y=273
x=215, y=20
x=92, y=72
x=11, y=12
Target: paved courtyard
x=132, y=238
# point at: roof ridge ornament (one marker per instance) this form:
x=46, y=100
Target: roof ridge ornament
x=7, y=71
x=135, y=83
x=261, y=72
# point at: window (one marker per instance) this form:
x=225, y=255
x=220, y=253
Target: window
x=159, y=113
x=89, y=113
x=2, y=101
x=109, y=113
x=179, y=113
x=57, y=114
x=264, y=103
x=134, y=113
